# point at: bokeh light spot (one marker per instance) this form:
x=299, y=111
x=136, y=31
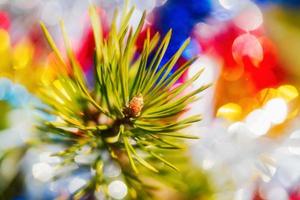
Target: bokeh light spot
x=117, y=189
x=249, y=18
x=247, y=45
x=276, y=110
x=288, y=92
x=229, y=4
x=258, y=122
x=42, y=171
x=230, y=111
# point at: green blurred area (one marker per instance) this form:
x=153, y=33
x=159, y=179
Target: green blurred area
x=4, y=109
x=283, y=27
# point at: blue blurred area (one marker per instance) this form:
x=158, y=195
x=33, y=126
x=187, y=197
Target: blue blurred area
x=181, y=16
x=16, y=95
x=288, y=3
x=21, y=197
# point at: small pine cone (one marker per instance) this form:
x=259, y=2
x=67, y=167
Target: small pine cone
x=135, y=106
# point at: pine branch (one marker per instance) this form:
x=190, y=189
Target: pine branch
x=131, y=112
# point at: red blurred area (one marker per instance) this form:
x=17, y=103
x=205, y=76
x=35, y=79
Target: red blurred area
x=85, y=53
x=4, y=20
x=246, y=69
x=292, y=195
x=295, y=194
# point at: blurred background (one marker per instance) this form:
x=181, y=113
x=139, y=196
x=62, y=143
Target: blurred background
x=249, y=50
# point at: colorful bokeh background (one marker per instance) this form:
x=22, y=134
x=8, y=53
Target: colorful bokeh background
x=249, y=146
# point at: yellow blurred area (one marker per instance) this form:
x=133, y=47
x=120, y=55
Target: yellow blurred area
x=281, y=105
x=19, y=63
x=4, y=51
x=230, y=111
x=235, y=111
x=5, y=41
x=288, y=92
x=22, y=55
